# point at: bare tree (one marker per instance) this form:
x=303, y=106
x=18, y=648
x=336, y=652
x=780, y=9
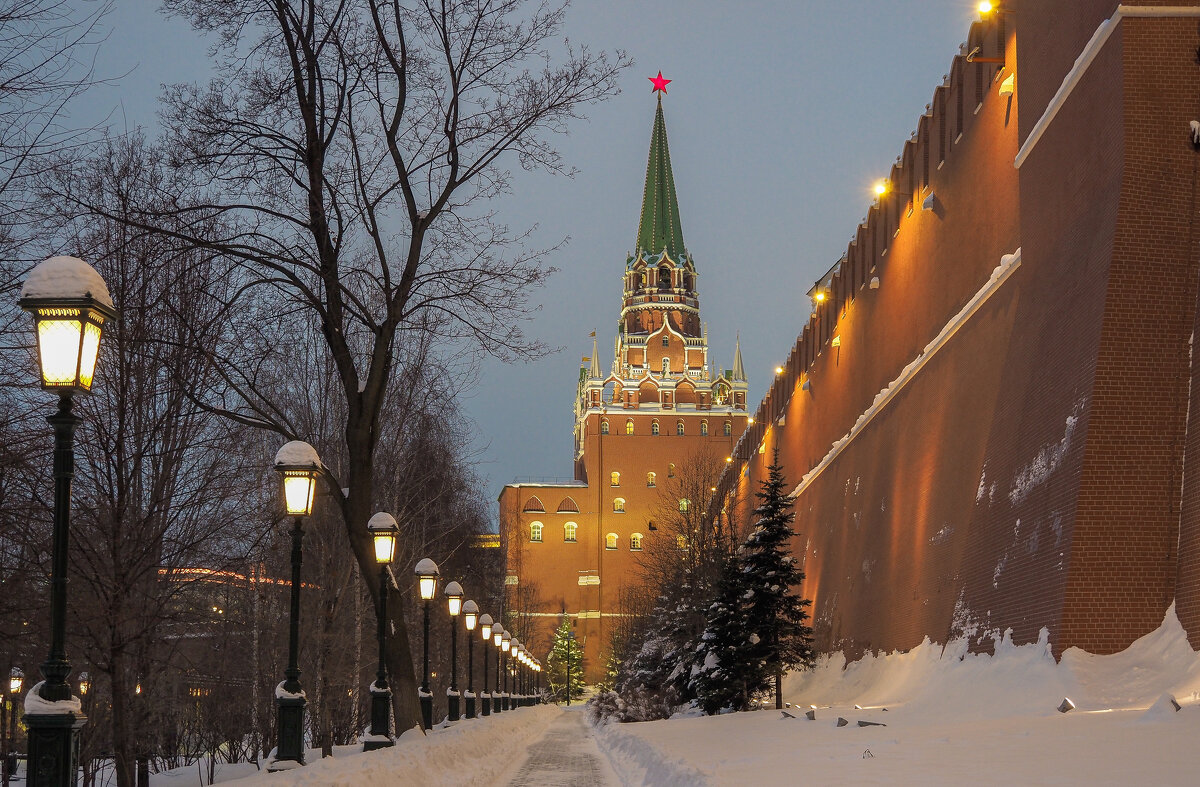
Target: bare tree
x=343, y=159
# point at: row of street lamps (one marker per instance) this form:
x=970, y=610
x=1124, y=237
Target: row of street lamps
x=70, y=304
x=522, y=667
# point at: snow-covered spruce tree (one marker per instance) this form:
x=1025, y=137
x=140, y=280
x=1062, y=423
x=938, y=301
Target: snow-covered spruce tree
x=566, y=658
x=757, y=626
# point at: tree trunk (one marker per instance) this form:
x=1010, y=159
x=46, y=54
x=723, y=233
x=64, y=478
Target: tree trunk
x=122, y=738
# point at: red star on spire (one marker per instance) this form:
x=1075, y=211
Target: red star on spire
x=660, y=84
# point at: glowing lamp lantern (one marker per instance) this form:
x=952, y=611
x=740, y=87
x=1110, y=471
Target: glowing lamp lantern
x=299, y=465
x=498, y=636
x=84, y=684
x=383, y=529
x=16, y=679
x=882, y=187
x=506, y=642
x=985, y=8
x=427, y=577
x=485, y=626
x=69, y=303
x=470, y=612
x=454, y=598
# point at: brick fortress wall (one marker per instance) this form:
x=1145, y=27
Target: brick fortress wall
x=1026, y=468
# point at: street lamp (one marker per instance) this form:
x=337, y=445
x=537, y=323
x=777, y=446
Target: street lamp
x=506, y=648
x=470, y=617
x=383, y=529
x=498, y=633
x=454, y=600
x=427, y=576
x=69, y=303
x=298, y=466
x=485, y=628
x=8, y=761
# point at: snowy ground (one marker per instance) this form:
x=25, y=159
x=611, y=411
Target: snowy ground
x=951, y=717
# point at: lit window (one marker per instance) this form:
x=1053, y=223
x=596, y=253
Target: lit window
x=610, y=541
x=681, y=542
x=683, y=505
x=703, y=428
x=604, y=427
x=629, y=426
x=671, y=470
x=650, y=479
x=535, y=531
x=654, y=427
x=666, y=341
x=614, y=478
x=728, y=429
x=569, y=531
x=619, y=505
x=679, y=428
x=635, y=542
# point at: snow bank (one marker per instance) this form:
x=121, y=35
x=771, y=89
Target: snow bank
x=461, y=754
x=951, y=717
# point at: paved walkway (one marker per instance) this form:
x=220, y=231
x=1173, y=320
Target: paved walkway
x=565, y=756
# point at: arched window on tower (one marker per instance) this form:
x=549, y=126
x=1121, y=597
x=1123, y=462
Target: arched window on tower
x=679, y=428
x=604, y=427
x=684, y=505
x=671, y=470
x=728, y=429
x=535, y=531
x=614, y=478
x=629, y=426
x=681, y=541
x=654, y=427
x=635, y=542
x=619, y=505
x=664, y=278
x=650, y=479
x=610, y=541
x=703, y=428
x=569, y=531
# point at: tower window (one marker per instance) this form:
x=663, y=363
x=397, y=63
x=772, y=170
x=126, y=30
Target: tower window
x=679, y=428
x=703, y=428
x=654, y=427
x=666, y=341
x=614, y=478
x=610, y=541
x=535, y=531
x=650, y=479
x=681, y=542
x=629, y=426
x=635, y=542
x=728, y=429
x=684, y=504
x=619, y=505
x=604, y=427
x=569, y=531
x=671, y=470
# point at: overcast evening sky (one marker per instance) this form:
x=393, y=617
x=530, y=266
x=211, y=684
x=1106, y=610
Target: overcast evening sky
x=780, y=115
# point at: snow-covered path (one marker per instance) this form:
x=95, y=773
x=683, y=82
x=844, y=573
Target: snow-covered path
x=565, y=756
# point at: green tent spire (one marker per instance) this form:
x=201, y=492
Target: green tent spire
x=660, y=227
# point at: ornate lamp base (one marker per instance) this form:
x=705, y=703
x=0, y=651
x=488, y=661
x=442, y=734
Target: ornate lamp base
x=289, y=753
x=53, y=748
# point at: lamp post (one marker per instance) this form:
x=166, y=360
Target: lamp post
x=383, y=529
x=470, y=617
x=485, y=696
x=454, y=596
x=522, y=673
x=427, y=576
x=503, y=640
x=69, y=303
x=506, y=643
x=514, y=670
x=298, y=466
x=8, y=765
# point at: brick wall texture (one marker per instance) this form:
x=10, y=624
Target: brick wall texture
x=1034, y=472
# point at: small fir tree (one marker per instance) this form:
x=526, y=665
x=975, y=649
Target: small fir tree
x=566, y=652
x=757, y=627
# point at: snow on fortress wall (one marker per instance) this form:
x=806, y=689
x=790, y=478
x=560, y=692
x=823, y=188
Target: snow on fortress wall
x=986, y=419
